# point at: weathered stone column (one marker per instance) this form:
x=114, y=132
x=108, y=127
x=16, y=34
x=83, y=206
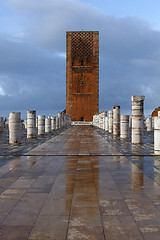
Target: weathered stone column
x=57, y=123
x=25, y=124
x=53, y=123
x=1, y=124
x=41, y=124
x=149, y=124
x=130, y=122
x=106, y=124
x=60, y=119
x=137, y=119
x=96, y=120
x=68, y=120
x=116, y=120
x=47, y=125
x=15, y=127
x=36, y=122
x=102, y=116
x=31, y=124
x=110, y=121
x=157, y=135
x=124, y=126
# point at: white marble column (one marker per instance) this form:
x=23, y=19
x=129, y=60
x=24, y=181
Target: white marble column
x=137, y=119
x=130, y=122
x=57, y=122
x=157, y=135
x=31, y=124
x=124, y=126
x=15, y=128
x=53, y=123
x=48, y=125
x=110, y=121
x=41, y=124
x=149, y=124
x=106, y=124
x=116, y=120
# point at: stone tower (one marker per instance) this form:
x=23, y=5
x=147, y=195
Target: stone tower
x=82, y=75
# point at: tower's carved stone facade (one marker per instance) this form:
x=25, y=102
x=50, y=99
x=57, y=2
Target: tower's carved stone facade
x=82, y=75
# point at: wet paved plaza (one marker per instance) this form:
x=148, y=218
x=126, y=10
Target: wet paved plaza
x=81, y=184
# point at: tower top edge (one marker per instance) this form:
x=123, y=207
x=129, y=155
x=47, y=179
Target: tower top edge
x=82, y=32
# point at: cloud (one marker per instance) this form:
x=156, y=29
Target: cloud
x=32, y=70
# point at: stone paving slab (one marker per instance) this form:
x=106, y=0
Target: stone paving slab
x=72, y=197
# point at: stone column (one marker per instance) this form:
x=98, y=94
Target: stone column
x=96, y=120
x=59, y=119
x=149, y=124
x=57, y=123
x=106, y=124
x=64, y=120
x=124, y=126
x=130, y=122
x=53, y=123
x=36, y=122
x=1, y=124
x=102, y=116
x=157, y=135
x=137, y=119
x=110, y=121
x=31, y=124
x=68, y=120
x=15, y=127
x=25, y=124
x=47, y=125
x=41, y=124
x=116, y=120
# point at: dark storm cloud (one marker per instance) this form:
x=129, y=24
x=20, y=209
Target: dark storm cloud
x=32, y=70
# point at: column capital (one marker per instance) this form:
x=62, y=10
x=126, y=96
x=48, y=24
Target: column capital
x=137, y=98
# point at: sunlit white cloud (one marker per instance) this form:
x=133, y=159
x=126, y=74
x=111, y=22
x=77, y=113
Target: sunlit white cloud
x=2, y=92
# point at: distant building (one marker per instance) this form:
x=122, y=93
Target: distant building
x=155, y=112
x=82, y=75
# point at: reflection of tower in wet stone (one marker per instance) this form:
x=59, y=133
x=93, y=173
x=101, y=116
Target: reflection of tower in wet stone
x=82, y=75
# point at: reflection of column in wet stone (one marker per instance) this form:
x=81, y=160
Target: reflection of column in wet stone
x=124, y=126
x=41, y=124
x=15, y=127
x=31, y=160
x=149, y=124
x=47, y=125
x=137, y=175
x=31, y=124
x=137, y=119
x=116, y=120
x=157, y=135
x=1, y=124
x=110, y=121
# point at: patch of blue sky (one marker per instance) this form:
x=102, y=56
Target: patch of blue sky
x=147, y=10
x=8, y=20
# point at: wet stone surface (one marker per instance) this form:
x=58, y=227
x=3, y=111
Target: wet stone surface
x=81, y=184
x=9, y=151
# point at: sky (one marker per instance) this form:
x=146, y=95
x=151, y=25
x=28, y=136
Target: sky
x=33, y=45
